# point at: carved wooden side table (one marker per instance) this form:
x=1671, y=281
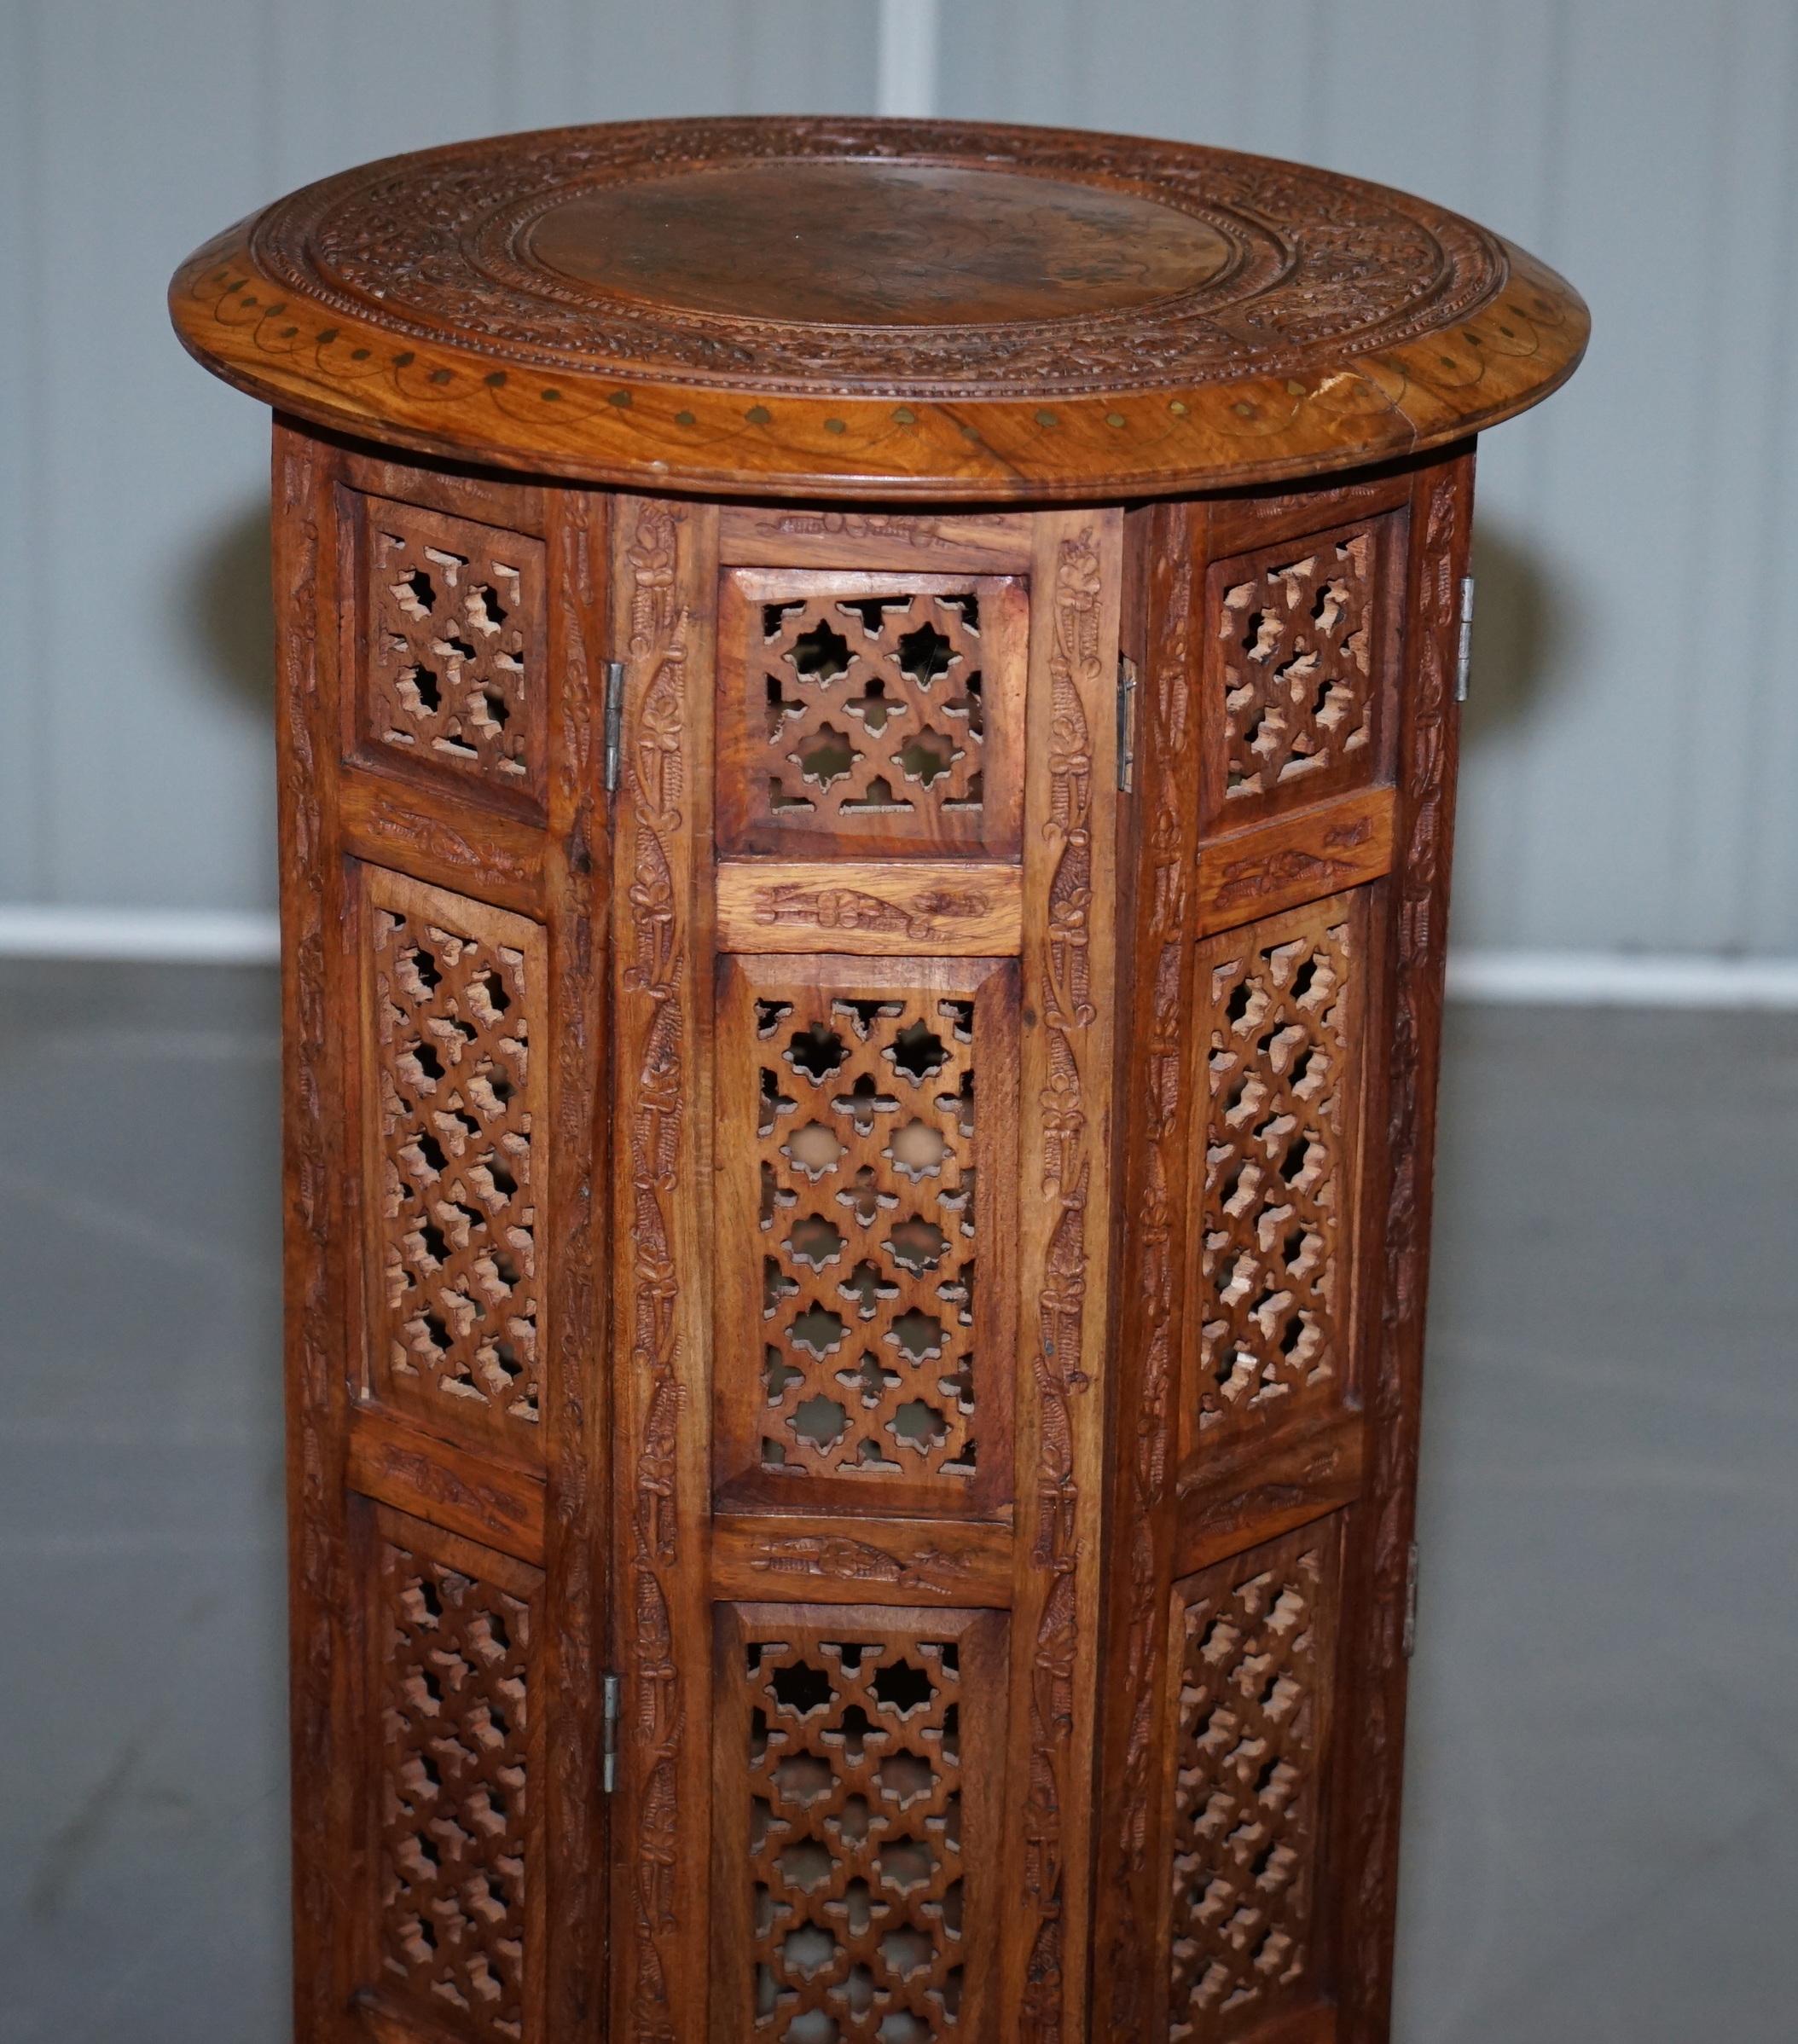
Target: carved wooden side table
x=867, y=749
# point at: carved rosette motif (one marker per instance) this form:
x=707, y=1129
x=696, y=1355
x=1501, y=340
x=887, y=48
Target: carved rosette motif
x=1067, y=1014
x=654, y=982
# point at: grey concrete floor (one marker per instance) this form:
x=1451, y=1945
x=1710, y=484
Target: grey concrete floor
x=1601, y=1821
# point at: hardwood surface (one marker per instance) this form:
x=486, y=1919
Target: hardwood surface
x=853, y=1387
x=857, y=308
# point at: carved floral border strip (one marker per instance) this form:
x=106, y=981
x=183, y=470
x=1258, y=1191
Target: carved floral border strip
x=1069, y=1013
x=652, y=1012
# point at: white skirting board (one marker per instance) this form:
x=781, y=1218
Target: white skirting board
x=160, y=936
x=1608, y=979
x=1574, y=979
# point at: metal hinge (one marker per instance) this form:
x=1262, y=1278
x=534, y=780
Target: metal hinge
x=609, y=1736
x=614, y=722
x=1126, y=722
x=1464, y=656
x=1408, y=1638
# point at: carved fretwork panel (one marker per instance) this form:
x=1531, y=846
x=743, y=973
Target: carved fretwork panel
x=1250, y=1662
x=867, y=1125
x=457, y=1160
x=870, y=714
x=1280, y=1046
x=451, y=1636
x=859, y=1776
x=1295, y=672
x=453, y=647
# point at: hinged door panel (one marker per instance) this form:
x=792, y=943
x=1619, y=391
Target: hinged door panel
x=444, y=899
x=864, y=986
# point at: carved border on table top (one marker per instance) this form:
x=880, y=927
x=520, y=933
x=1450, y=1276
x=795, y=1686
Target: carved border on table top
x=597, y=424
x=1068, y=1014
x=428, y=247
x=653, y=1032
x=1231, y=397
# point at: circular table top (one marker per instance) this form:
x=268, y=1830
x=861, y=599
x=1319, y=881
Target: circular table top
x=876, y=308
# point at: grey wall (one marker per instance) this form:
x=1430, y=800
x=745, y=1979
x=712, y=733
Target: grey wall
x=136, y=761
x=1634, y=736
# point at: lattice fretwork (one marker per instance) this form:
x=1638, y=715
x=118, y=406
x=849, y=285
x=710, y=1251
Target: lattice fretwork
x=1293, y=666
x=866, y=1151
x=1280, y=1070
x=1250, y=1657
x=453, y=1679
x=456, y=653
x=455, y=988
x=856, y=1837
x=874, y=713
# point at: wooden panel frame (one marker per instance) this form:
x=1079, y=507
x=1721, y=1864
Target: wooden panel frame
x=740, y=1480
x=962, y=907
x=1335, y=846
x=1380, y=1561
x=665, y=573
x=1359, y=1461
x=458, y=779
x=980, y=1638
x=743, y=828
x=462, y=1422
x=1267, y=1418
x=1155, y=1109
x=848, y=536
x=824, y=1559
x=1069, y=990
x=335, y=1446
